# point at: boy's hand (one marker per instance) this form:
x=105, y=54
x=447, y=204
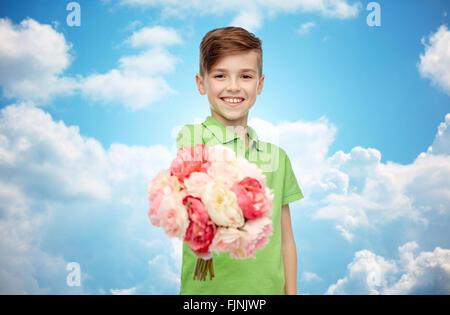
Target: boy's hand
x=205, y=256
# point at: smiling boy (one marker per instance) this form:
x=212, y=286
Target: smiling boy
x=231, y=77
x=232, y=85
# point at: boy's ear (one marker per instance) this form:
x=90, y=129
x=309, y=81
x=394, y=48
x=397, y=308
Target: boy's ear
x=200, y=84
x=260, y=84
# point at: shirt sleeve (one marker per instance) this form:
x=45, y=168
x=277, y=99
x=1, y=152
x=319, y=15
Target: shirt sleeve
x=291, y=189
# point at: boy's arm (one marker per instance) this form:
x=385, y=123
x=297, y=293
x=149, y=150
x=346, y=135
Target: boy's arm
x=289, y=252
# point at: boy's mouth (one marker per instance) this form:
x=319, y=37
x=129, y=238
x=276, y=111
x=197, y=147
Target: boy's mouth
x=232, y=101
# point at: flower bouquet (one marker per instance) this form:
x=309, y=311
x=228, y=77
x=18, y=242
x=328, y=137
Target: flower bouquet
x=216, y=201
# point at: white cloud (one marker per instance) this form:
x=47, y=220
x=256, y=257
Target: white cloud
x=43, y=151
x=129, y=291
x=251, y=20
x=149, y=63
x=345, y=233
x=425, y=273
x=305, y=28
x=59, y=188
x=356, y=189
x=33, y=58
x=435, y=62
x=368, y=192
x=132, y=91
x=340, y=9
x=24, y=267
x=177, y=252
x=359, y=194
x=441, y=143
x=311, y=276
x=154, y=36
x=254, y=10
x=306, y=143
x=138, y=81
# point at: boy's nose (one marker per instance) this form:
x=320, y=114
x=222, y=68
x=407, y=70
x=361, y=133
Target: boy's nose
x=233, y=85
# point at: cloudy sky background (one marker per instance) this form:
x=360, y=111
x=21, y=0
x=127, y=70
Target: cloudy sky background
x=89, y=114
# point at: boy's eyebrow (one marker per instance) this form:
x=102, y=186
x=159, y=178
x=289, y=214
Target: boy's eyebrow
x=242, y=70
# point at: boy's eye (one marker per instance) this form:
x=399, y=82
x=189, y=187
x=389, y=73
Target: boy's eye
x=221, y=76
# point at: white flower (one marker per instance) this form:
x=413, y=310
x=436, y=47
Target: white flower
x=224, y=172
x=222, y=206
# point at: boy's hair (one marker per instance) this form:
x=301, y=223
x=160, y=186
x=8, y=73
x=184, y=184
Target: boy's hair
x=226, y=41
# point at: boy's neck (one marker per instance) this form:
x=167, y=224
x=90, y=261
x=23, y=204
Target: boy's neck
x=238, y=126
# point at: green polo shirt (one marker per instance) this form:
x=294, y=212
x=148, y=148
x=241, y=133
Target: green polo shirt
x=265, y=273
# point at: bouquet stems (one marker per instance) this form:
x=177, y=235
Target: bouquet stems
x=202, y=268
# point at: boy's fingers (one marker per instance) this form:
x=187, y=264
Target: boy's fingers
x=202, y=255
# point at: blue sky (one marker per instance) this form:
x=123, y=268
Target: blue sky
x=89, y=115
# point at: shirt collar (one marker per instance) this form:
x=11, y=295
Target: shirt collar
x=225, y=135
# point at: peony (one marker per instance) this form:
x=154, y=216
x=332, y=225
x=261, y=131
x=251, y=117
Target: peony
x=155, y=199
x=163, y=184
x=201, y=229
x=224, y=172
x=226, y=240
x=196, y=183
x=215, y=200
x=189, y=159
x=251, y=197
x=256, y=236
x=174, y=218
x=220, y=153
x=248, y=169
x=222, y=205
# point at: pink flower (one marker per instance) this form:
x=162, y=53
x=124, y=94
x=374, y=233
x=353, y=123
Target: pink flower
x=248, y=169
x=174, y=217
x=189, y=159
x=163, y=184
x=226, y=240
x=155, y=199
x=220, y=153
x=201, y=229
x=256, y=236
x=196, y=183
x=224, y=172
x=214, y=200
x=251, y=197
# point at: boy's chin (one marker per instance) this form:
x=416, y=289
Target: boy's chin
x=229, y=117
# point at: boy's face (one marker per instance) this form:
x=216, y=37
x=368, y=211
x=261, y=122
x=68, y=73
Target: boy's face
x=232, y=85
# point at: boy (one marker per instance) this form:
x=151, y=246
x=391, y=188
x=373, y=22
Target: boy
x=231, y=77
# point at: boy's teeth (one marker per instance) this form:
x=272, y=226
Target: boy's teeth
x=233, y=100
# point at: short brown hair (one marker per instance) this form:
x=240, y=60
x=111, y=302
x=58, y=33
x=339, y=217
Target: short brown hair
x=225, y=41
